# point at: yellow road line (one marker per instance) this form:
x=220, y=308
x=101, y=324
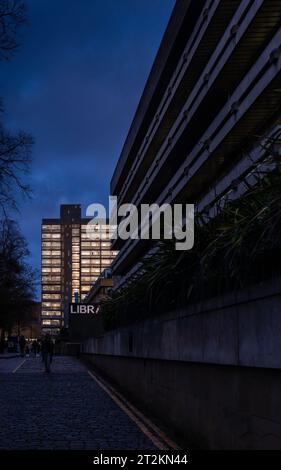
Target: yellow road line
x=15, y=370
x=171, y=444
x=158, y=437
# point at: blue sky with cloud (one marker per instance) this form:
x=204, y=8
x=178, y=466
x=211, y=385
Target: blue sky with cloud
x=74, y=85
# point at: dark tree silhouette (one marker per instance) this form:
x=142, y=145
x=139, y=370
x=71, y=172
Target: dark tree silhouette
x=15, y=158
x=15, y=149
x=17, y=279
x=12, y=16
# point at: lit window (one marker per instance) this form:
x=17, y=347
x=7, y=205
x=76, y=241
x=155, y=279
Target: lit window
x=85, y=270
x=51, y=279
x=54, y=305
x=86, y=288
x=105, y=262
x=51, y=244
x=52, y=296
x=50, y=322
x=85, y=253
x=50, y=288
x=51, y=313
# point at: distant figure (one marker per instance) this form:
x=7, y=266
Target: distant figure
x=27, y=350
x=47, y=352
x=42, y=350
x=2, y=343
x=22, y=343
x=35, y=347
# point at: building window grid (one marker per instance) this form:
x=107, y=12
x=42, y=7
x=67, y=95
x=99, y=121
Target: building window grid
x=94, y=255
x=75, y=257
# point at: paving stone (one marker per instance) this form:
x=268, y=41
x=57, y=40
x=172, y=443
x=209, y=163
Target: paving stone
x=65, y=409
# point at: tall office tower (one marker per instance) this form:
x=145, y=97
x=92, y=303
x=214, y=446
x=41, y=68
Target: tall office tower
x=71, y=263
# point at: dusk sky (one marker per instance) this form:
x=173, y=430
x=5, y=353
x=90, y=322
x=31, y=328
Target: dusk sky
x=74, y=85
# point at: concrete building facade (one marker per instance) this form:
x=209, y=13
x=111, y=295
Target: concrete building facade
x=213, y=93
x=210, y=370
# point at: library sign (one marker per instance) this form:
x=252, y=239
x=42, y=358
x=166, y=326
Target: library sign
x=83, y=309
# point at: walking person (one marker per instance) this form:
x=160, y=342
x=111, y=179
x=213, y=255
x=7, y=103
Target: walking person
x=47, y=352
x=34, y=347
x=22, y=343
x=38, y=347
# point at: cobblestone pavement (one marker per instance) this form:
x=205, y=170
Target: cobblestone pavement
x=66, y=409
x=8, y=365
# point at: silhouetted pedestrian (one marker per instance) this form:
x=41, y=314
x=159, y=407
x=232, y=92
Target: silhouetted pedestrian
x=47, y=352
x=22, y=343
x=35, y=347
x=27, y=350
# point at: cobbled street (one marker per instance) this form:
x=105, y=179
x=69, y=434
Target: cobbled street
x=65, y=409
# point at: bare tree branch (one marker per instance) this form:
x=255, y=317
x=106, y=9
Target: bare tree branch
x=12, y=16
x=15, y=159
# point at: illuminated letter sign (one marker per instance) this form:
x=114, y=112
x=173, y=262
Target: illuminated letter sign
x=83, y=309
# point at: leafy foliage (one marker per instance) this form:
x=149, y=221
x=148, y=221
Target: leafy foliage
x=237, y=247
